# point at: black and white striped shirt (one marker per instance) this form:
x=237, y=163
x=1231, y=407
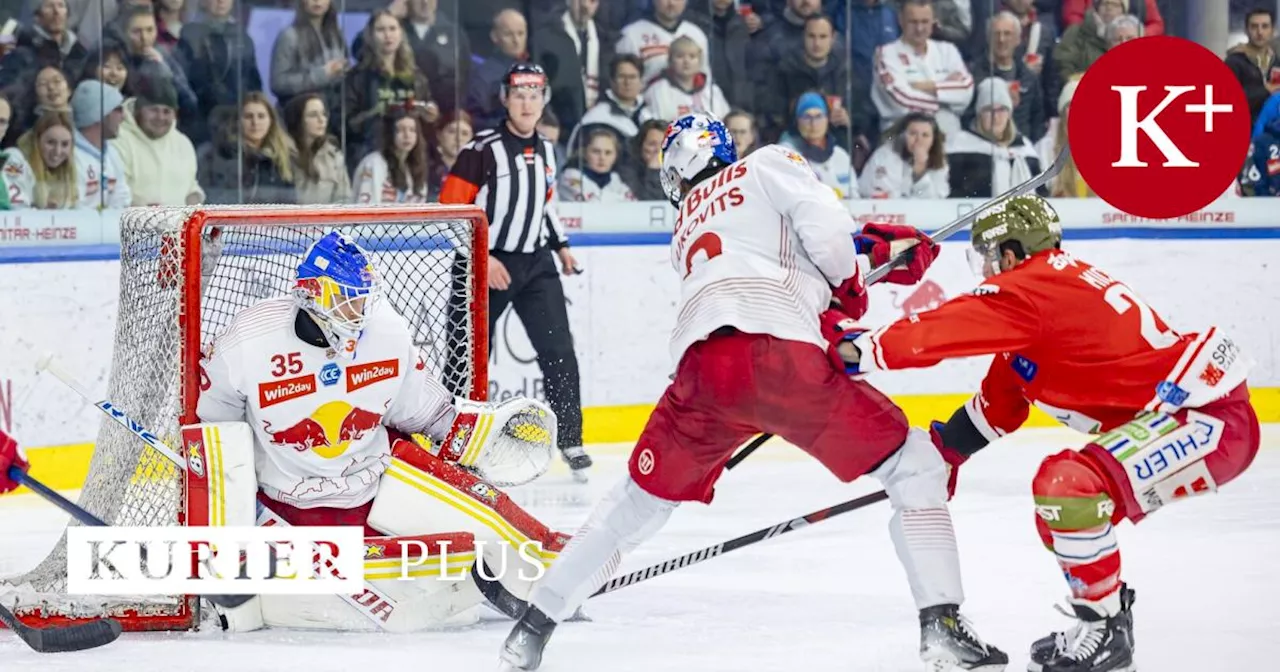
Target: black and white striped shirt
x=513, y=179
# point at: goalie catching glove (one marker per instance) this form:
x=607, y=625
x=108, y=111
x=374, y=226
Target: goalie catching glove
x=509, y=443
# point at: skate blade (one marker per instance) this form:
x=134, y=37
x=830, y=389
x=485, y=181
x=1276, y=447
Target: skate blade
x=952, y=664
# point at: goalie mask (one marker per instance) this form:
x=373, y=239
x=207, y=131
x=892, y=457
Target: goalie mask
x=1028, y=220
x=338, y=287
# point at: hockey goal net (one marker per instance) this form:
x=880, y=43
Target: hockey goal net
x=184, y=273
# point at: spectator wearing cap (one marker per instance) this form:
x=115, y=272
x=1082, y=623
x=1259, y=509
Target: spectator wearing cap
x=814, y=141
x=47, y=41
x=97, y=112
x=387, y=76
x=992, y=156
x=159, y=161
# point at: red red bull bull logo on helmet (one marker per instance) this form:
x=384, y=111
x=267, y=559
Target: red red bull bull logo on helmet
x=277, y=391
x=363, y=375
x=328, y=431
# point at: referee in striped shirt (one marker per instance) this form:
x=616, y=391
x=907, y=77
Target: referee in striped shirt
x=510, y=171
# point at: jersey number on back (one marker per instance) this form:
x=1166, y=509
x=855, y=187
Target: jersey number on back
x=709, y=244
x=1122, y=298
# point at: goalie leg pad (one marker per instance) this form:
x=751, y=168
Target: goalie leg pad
x=222, y=481
x=915, y=478
x=1074, y=517
x=625, y=518
x=423, y=494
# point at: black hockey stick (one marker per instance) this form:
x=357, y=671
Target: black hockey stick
x=723, y=547
x=19, y=476
x=1059, y=162
x=60, y=638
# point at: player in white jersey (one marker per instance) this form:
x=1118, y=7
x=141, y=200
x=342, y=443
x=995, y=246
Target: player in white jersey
x=759, y=245
x=332, y=387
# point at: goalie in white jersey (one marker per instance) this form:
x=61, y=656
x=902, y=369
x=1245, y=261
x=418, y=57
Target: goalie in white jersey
x=314, y=397
x=760, y=244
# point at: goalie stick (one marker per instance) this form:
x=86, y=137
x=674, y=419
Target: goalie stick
x=1059, y=162
x=62, y=638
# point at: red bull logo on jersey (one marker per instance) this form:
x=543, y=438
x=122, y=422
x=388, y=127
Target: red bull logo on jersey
x=277, y=391
x=363, y=375
x=327, y=432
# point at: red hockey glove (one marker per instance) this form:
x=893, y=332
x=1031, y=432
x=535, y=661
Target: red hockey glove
x=953, y=457
x=877, y=242
x=10, y=456
x=850, y=297
x=838, y=328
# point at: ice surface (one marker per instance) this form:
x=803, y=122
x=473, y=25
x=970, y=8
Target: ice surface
x=830, y=597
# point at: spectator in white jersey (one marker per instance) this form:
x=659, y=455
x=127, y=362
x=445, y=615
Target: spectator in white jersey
x=650, y=37
x=685, y=86
x=910, y=163
x=916, y=73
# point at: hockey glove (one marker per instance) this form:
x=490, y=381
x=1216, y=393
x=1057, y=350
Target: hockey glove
x=10, y=456
x=951, y=456
x=881, y=242
x=850, y=297
x=838, y=329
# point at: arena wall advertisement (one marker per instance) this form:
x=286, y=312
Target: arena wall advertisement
x=59, y=284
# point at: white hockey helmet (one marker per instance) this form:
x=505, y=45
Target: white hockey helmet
x=694, y=143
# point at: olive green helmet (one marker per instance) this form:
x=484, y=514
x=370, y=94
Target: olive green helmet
x=1028, y=219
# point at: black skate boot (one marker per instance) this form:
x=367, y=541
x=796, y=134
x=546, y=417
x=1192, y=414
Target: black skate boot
x=523, y=649
x=948, y=643
x=1053, y=645
x=578, y=460
x=1099, y=643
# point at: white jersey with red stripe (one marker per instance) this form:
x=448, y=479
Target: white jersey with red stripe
x=651, y=41
x=319, y=421
x=898, y=65
x=759, y=247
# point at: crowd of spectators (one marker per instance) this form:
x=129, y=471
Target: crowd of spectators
x=112, y=103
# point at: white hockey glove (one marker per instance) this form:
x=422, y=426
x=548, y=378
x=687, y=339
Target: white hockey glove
x=507, y=444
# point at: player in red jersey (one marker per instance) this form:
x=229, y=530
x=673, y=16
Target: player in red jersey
x=1169, y=412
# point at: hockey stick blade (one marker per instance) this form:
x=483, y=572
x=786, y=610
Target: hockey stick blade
x=721, y=548
x=1059, y=162
x=63, y=638
x=75, y=511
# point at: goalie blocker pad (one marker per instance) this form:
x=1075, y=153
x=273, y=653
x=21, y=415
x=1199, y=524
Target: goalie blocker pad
x=438, y=591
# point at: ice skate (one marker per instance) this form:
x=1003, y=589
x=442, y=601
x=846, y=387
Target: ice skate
x=578, y=460
x=1051, y=646
x=949, y=643
x=523, y=649
x=1099, y=642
